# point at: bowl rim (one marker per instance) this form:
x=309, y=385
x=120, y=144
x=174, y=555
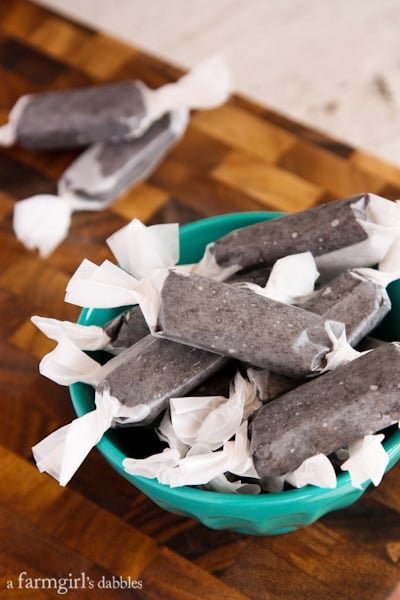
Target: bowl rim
x=309, y=493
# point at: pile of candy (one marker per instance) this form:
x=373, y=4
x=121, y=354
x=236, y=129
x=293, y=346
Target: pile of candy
x=303, y=399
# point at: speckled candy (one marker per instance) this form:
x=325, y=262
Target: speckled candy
x=328, y=413
x=240, y=324
x=104, y=171
x=79, y=117
x=351, y=298
x=152, y=371
x=320, y=230
x=126, y=329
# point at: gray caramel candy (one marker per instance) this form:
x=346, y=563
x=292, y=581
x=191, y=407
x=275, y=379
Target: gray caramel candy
x=328, y=413
x=152, y=371
x=240, y=324
x=104, y=171
x=93, y=181
x=353, y=299
x=130, y=326
x=320, y=230
x=126, y=329
x=270, y=385
x=83, y=116
x=258, y=275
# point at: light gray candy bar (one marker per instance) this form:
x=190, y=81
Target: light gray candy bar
x=238, y=323
x=320, y=230
x=130, y=326
x=353, y=299
x=328, y=413
x=152, y=371
x=270, y=385
x=83, y=116
x=104, y=171
x=126, y=329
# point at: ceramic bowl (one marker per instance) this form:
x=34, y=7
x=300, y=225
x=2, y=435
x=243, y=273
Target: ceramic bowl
x=264, y=514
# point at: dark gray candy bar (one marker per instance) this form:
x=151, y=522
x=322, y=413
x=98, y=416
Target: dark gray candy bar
x=354, y=300
x=153, y=370
x=240, y=324
x=130, y=326
x=270, y=385
x=258, y=275
x=369, y=343
x=105, y=171
x=328, y=413
x=83, y=116
x=320, y=230
x=219, y=383
x=126, y=329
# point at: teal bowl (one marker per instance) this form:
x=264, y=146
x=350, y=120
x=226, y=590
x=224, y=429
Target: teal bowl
x=265, y=514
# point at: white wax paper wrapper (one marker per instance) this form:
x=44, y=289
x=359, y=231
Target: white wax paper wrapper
x=108, y=286
x=382, y=224
x=208, y=266
x=342, y=352
x=67, y=364
x=199, y=466
x=223, y=485
x=85, y=337
x=292, y=278
x=316, y=470
x=388, y=269
x=61, y=453
x=141, y=250
x=367, y=460
x=166, y=433
x=8, y=131
x=42, y=222
x=206, y=86
x=198, y=431
x=213, y=420
x=104, y=286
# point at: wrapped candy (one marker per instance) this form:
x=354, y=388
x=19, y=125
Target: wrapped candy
x=356, y=297
x=115, y=335
x=142, y=377
x=116, y=111
x=352, y=232
x=328, y=413
x=117, y=399
x=93, y=181
x=218, y=317
x=236, y=322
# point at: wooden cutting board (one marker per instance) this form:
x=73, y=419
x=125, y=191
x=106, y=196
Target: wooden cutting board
x=239, y=157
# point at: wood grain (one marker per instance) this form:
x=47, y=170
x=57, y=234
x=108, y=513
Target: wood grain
x=239, y=157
